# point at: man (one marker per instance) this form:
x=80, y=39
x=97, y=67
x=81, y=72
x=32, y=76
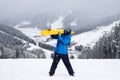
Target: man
x=61, y=51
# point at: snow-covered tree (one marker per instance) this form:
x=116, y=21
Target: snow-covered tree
x=108, y=46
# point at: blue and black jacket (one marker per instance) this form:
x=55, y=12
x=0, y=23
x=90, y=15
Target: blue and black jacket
x=62, y=43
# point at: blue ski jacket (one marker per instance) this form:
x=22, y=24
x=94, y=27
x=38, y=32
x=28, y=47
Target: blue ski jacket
x=62, y=43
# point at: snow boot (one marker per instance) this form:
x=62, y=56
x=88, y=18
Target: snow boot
x=72, y=74
x=50, y=74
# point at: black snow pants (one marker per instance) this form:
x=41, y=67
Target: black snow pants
x=65, y=60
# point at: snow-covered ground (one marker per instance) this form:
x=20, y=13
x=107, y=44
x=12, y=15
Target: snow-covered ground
x=37, y=69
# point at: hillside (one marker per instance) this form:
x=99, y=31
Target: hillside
x=99, y=22
x=10, y=31
x=14, y=44
x=106, y=47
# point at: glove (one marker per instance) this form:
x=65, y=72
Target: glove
x=59, y=33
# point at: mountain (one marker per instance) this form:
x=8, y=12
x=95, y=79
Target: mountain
x=66, y=18
x=100, y=22
x=8, y=34
x=14, y=44
x=81, y=44
x=89, y=38
x=83, y=40
x=108, y=46
x=78, y=21
x=84, y=26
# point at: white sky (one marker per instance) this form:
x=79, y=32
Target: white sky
x=12, y=8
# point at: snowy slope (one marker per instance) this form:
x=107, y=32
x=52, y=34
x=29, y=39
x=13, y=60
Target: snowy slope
x=37, y=69
x=34, y=33
x=90, y=37
x=30, y=32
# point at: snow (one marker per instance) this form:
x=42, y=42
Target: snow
x=37, y=69
x=52, y=42
x=30, y=32
x=74, y=23
x=89, y=38
x=58, y=23
x=47, y=52
x=32, y=46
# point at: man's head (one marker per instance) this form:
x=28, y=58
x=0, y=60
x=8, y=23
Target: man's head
x=67, y=31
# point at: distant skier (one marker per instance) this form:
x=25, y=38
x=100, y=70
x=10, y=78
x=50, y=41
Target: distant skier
x=61, y=51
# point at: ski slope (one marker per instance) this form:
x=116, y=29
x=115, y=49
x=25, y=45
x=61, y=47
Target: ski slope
x=37, y=69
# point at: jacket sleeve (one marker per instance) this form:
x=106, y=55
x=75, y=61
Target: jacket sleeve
x=65, y=41
x=54, y=36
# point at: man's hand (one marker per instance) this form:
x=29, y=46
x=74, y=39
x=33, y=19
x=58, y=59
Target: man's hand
x=59, y=33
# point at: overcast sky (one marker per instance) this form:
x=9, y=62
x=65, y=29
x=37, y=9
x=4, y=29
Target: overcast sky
x=12, y=8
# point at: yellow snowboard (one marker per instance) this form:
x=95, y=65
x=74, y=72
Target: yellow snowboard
x=49, y=32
